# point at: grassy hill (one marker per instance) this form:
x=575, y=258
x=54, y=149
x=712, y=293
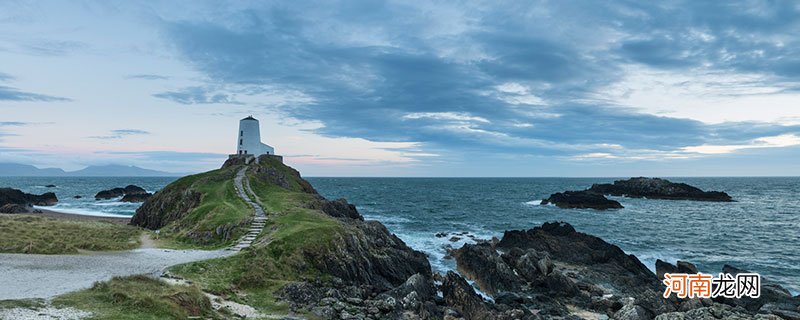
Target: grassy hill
x=308, y=241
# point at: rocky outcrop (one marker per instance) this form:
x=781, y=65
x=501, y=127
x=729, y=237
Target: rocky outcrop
x=663, y=267
x=368, y=254
x=774, y=298
x=170, y=204
x=141, y=197
x=110, y=194
x=581, y=200
x=131, y=190
x=14, y=196
x=339, y=208
x=656, y=188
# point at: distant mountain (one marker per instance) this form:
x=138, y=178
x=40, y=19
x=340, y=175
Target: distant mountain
x=16, y=169
x=112, y=170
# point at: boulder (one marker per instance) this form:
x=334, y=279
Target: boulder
x=14, y=196
x=482, y=264
x=137, y=197
x=581, y=200
x=78, y=197
x=133, y=190
x=459, y=295
x=110, y=194
x=656, y=188
x=14, y=208
x=50, y=186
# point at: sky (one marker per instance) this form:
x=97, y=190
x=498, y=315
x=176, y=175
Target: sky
x=407, y=88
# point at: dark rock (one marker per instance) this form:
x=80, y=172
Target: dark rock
x=482, y=264
x=656, y=188
x=581, y=200
x=14, y=196
x=441, y=234
x=14, y=208
x=167, y=205
x=596, y=264
x=459, y=295
x=50, y=186
x=110, y=194
x=133, y=190
x=339, y=208
x=136, y=197
x=370, y=255
x=454, y=238
x=633, y=312
x=78, y=197
x=686, y=267
x=772, y=295
x=663, y=267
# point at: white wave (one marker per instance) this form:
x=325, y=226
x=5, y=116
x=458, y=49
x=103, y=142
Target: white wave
x=83, y=212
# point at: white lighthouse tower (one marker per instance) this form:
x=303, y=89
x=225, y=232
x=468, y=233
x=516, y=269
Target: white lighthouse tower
x=249, y=141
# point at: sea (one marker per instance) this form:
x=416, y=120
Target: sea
x=759, y=232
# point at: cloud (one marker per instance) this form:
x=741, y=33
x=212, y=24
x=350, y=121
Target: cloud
x=121, y=133
x=147, y=77
x=493, y=80
x=197, y=95
x=14, y=94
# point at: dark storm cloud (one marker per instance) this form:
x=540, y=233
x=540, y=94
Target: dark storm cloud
x=411, y=84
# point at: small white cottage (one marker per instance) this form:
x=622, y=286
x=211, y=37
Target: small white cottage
x=249, y=141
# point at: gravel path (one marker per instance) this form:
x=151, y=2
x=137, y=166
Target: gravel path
x=44, y=276
x=24, y=276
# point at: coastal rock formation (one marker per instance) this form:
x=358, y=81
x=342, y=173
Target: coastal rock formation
x=555, y=270
x=656, y=188
x=131, y=190
x=110, y=194
x=136, y=197
x=14, y=196
x=581, y=200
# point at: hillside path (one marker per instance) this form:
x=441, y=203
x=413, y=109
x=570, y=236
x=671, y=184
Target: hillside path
x=259, y=217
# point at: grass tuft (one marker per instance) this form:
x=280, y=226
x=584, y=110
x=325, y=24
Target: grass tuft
x=139, y=297
x=31, y=234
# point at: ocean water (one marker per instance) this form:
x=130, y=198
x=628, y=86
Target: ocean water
x=86, y=187
x=760, y=232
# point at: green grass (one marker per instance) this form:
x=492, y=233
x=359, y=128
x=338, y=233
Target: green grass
x=219, y=205
x=279, y=256
x=22, y=303
x=139, y=297
x=31, y=234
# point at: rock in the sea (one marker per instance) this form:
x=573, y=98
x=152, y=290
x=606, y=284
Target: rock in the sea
x=136, y=197
x=50, y=186
x=78, y=197
x=14, y=208
x=581, y=200
x=110, y=194
x=131, y=190
x=9, y=195
x=656, y=188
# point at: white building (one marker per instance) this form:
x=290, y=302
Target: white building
x=249, y=141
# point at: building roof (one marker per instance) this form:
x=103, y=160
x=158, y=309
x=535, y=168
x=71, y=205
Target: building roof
x=249, y=118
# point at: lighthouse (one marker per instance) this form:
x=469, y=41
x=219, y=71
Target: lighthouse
x=249, y=141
